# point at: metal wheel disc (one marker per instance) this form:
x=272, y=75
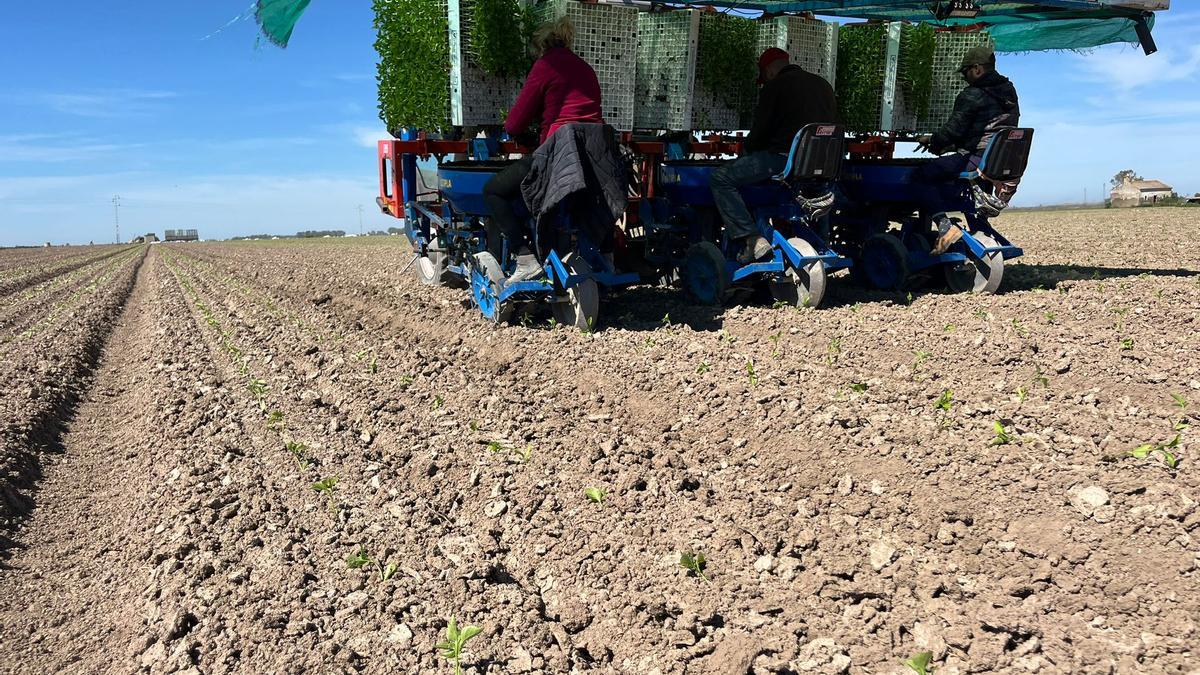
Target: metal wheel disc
x=487, y=280
x=581, y=305
x=976, y=275
x=804, y=287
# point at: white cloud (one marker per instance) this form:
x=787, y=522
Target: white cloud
x=49, y=148
x=98, y=103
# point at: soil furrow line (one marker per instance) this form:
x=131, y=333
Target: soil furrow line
x=34, y=277
x=43, y=388
x=25, y=311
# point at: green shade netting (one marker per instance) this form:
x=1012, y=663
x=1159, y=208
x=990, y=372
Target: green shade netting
x=277, y=18
x=1015, y=27
x=1049, y=33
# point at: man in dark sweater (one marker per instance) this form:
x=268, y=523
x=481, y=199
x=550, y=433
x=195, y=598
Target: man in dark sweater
x=790, y=98
x=988, y=103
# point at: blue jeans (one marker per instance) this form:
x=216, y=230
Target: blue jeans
x=929, y=179
x=745, y=170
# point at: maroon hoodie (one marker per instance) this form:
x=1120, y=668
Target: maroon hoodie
x=562, y=88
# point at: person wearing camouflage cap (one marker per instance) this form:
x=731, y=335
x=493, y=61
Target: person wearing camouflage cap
x=989, y=102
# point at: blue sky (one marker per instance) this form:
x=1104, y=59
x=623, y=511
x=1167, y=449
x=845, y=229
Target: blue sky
x=129, y=98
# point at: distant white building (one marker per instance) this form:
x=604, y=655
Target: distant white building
x=1138, y=192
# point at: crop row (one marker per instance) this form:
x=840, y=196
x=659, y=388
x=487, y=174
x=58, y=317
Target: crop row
x=27, y=303
x=80, y=296
x=43, y=369
x=37, y=273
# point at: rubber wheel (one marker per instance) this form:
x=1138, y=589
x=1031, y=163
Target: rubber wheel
x=432, y=269
x=487, y=280
x=804, y=287
x=976, y=275
x=581, y=305
x=884, y=261
x=916, y=241
x=704, y=273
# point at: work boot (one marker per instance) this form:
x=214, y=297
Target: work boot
x=755, y=249
x=527, y=267
x=949, y=232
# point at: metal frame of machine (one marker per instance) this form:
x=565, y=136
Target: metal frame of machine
x=861, y=231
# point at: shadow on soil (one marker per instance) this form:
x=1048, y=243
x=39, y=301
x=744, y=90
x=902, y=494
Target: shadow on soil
x=648, y=307
x=1022, y=277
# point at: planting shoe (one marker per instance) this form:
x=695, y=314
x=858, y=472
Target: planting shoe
x=949, y=232
x=756, y=248
x=527, y=268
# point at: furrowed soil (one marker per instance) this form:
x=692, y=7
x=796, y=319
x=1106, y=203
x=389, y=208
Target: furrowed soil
x=292, y=457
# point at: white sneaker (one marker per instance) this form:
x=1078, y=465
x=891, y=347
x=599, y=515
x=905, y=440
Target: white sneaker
x=756, y=248
x=527, y=268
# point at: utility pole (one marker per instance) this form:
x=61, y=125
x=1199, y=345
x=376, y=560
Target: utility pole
x=1085, y=196
x=116, y=200
x=360, y=229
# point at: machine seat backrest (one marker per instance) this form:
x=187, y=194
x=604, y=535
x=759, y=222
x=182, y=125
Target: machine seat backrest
x=816, y=154
x=1007, y=154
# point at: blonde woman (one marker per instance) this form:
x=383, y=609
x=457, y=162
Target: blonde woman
x=561, y=89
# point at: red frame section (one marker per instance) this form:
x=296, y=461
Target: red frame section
x=651, y=153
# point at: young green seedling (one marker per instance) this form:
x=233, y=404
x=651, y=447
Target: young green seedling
x=374, y=365
x=833, y=351
x=1041, y=377
x=525, y=453
x=858, y=387
x=945, y=401
x=666, y=320
x=919, y=357
x=694, y=563
x=702, y=368
x=1163, y=450
x=774, y=338
x=1022, y=393
x=275, y=420
x=300, y=454
x=358, y=560
x=1002, y=437
x=405, y=380
x=950, y=328
x=595, y=494
x=327, y=486
x=452, y=647
x=780, y=304
x=1050, y=317
x=1127, y=344
x=750, y=373
x=1020, y=328
x=258, y=388
x=919, y=663
x=473, y=425
x=1180, y=401
x=438, y=402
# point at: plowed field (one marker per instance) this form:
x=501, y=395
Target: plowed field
x=291, y=457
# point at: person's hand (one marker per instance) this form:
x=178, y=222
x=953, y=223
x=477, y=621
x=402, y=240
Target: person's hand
x=924, y=141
